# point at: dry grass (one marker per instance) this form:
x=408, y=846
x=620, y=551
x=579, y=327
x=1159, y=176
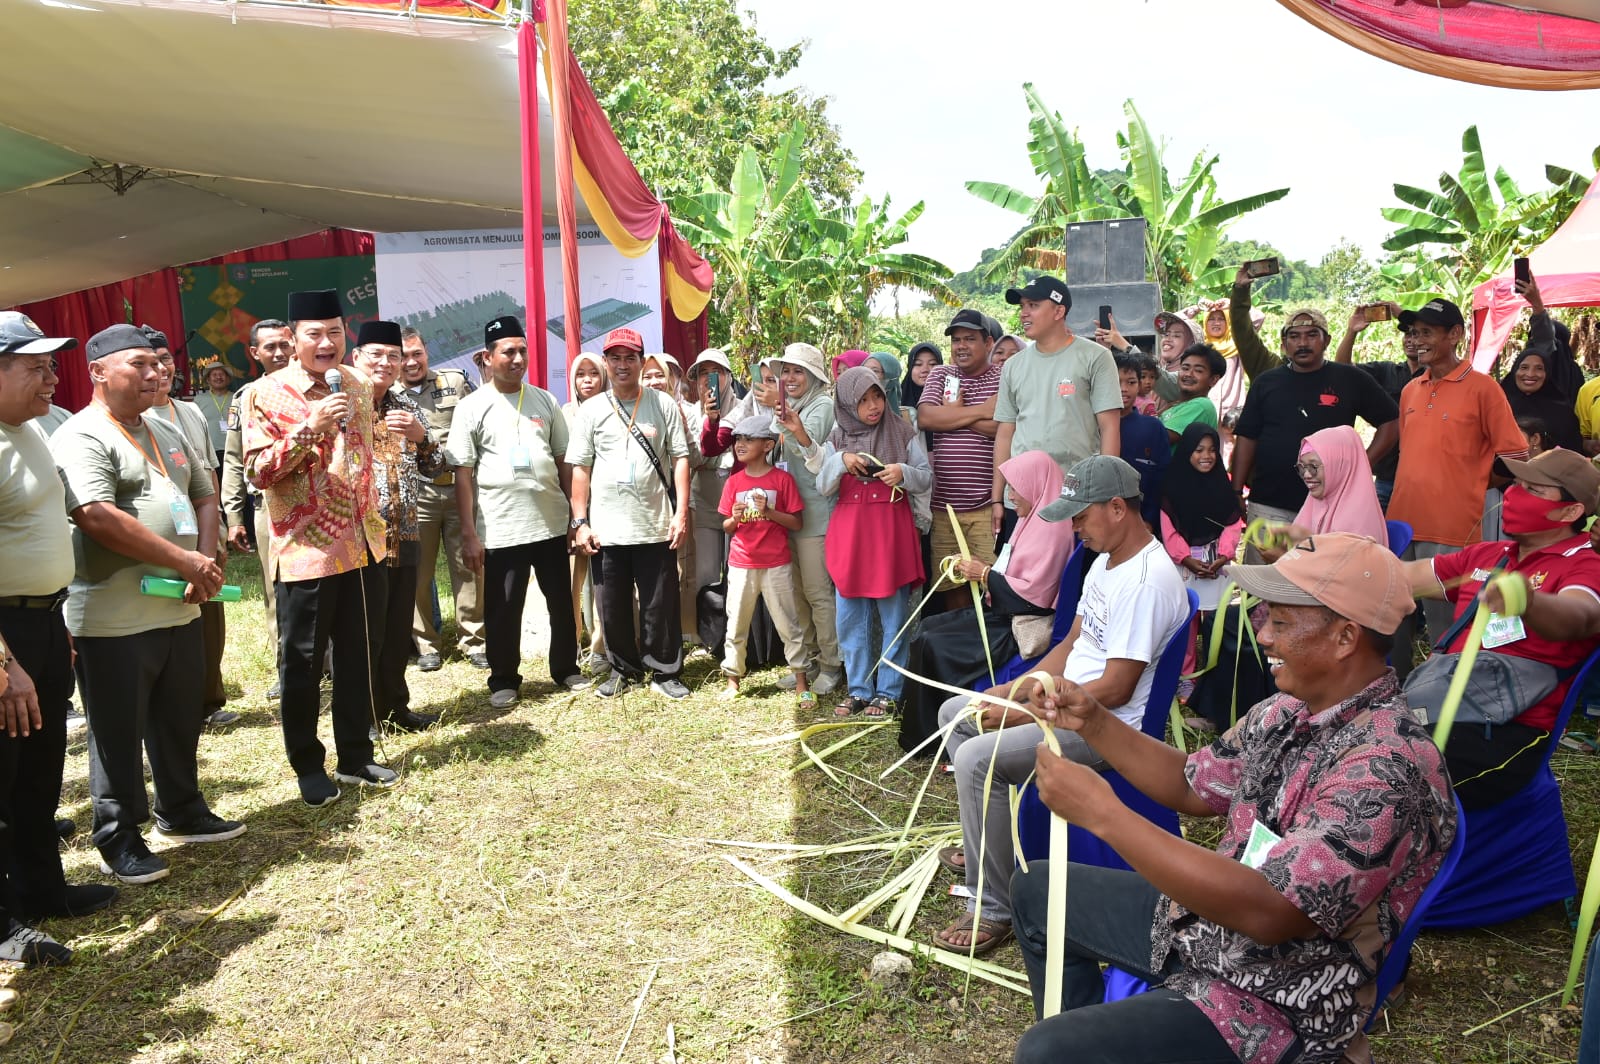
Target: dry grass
x=535, y=869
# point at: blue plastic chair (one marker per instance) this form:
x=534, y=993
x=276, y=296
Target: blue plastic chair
x=1399, y=536
x=1067, y=595
x=1521, y=858
x=1393, y=968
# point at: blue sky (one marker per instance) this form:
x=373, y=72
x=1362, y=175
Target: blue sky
x=929, y=95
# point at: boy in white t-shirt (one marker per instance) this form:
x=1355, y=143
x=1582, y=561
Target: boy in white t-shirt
x=1133, y=600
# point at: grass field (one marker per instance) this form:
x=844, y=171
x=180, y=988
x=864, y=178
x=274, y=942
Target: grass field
x=542, y=887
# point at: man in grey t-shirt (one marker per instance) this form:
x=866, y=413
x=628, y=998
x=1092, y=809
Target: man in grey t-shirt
x=630, y=497
x=1060, y=394
x=143, y=508
x=508, y=444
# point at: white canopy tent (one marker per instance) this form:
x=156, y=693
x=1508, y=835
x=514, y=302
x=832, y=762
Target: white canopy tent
x=138, y=134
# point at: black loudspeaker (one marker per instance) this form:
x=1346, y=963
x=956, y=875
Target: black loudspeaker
x=1109, y=252
x=1134, y=307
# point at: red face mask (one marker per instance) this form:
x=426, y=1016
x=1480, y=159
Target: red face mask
x=1522, y=513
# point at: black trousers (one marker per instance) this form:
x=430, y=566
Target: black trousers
x=505, y=593
x=30, y=766
x=214, y=635
x=651, y=569
x=394, y=648
x=349, y=609
x=1489, y=765
x=142, y=695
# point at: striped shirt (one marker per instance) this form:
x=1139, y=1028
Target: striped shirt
x=963, y=460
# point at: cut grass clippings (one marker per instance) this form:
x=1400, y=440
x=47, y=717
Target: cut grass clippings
x=542, y=883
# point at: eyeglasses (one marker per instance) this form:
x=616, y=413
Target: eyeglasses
x=1308, y=468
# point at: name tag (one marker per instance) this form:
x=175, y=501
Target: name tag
x=1503, y=630
x=1262, y=840
x=183, y=519
x=521, y=459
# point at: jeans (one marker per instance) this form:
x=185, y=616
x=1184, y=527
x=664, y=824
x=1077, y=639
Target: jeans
x=1589, y=1037
x=1385, y=490
x=1109, y=917
x=860, y=650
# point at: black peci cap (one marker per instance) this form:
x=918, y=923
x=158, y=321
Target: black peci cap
x=320, y=305
x=501, y=329
x=378, y=332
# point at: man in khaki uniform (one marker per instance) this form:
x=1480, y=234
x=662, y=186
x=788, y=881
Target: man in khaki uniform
x=437, y=393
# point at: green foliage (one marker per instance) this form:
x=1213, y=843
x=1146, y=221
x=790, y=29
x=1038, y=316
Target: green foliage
x=791, y=268
x=683, y=80
x=1453, y=240
x=1184, y=222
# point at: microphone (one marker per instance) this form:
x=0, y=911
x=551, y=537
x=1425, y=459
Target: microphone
x=335, y=386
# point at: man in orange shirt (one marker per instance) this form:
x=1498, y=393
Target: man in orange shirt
x=1454, y=422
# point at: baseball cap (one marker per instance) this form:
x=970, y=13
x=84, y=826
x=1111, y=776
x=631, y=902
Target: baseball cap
x=1098, y=478
x=1306, y=316
x=116, y=338
x=1041, y=287
x=628, y=338
x=976, y=320
x=711, y=356
x=1358, y=578
x=1561, y=468
x=20, y=336
x=757, y=427
x=1440, y=312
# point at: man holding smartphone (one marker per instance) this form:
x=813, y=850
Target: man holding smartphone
x=957, y=405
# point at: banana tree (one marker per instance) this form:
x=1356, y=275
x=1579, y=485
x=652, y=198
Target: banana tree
x=1452, y=240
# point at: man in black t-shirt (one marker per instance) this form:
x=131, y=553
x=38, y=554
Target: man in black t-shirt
x=1289, y=403
x=1392, y=377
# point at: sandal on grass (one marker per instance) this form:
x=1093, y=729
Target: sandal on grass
x=1580, y=744
x=849, y=707
x=808, y=700
x=954, y=858
x=881, y=706
x=990, y=935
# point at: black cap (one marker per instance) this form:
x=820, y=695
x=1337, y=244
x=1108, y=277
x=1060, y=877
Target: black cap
x=116, y=338
x=20, y=336
x=1042, y=287
x=1440, y=312
x=315, y=306
x=976, y=320
x=157, y=337
x=502, y=329
x=378, y=332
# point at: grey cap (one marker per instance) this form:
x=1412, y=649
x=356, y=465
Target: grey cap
x=116, y=338
x=1098, y=478
x=756, y=427
x=20, y=336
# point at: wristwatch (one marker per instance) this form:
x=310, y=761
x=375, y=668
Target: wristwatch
x=576, y=523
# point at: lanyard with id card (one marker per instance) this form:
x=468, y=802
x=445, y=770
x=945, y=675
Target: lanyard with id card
x=521, y=454
x=184, y=522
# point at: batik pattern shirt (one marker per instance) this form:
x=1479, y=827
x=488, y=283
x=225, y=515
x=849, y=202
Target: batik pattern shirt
x=1361, y=805
x=400, y=468
x=321, y=498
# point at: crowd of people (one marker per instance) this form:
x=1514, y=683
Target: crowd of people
x=798, y=517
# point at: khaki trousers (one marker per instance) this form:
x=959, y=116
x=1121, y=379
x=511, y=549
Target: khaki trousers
x=438, y=518
x=814, y=604
x=775, y=587
x=269, y=591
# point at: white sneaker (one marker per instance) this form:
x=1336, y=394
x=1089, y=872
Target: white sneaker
x=827, y=682
x=577, y=682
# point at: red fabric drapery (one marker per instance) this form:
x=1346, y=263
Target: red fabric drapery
x=153, y=299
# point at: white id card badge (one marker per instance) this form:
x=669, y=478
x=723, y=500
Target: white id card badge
x=521, y=459
x=1262, y=840
x=1503, y=630
x=183, y=519
x=1000, y=562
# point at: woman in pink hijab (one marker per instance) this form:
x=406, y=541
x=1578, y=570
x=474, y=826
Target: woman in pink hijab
x=849, y=360
x=1333, y=463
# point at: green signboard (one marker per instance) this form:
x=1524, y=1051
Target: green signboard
x=221, y=303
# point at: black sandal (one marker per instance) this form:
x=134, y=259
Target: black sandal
x=881, y=706
x=849, y=707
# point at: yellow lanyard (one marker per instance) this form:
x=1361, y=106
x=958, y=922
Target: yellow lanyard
x=218, y=407
x=157, y=460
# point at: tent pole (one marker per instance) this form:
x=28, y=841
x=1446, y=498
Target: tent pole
x=532, y=205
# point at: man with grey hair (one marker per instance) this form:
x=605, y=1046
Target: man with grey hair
x=271, y=346
x=144, y=515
